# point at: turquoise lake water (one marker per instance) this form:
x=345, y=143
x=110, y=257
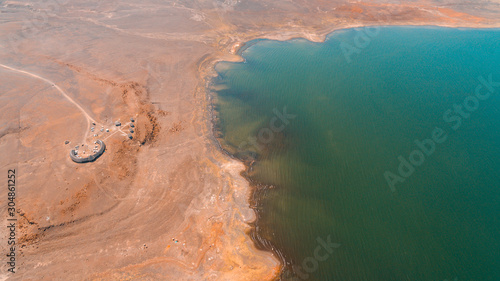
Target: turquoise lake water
x=375, y=155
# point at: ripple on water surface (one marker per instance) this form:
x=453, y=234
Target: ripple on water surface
x=326, y=124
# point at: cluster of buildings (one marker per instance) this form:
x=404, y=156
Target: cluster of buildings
x=99, y=147
x=102, y=130
x=131, y=129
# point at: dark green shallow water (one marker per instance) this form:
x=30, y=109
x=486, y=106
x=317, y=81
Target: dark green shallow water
x=356, y=108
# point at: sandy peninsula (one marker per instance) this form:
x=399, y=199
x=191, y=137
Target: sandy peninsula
x=167, y=204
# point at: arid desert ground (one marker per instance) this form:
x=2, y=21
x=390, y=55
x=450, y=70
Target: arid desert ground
x=167, y=204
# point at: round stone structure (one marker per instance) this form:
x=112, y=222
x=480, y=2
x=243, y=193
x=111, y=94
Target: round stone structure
x=74, y=156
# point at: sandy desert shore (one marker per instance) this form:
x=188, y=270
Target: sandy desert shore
x=168, y=204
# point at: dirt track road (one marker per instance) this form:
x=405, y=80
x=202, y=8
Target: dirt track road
x=87, y=116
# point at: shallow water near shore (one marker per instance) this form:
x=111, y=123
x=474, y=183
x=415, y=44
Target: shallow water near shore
x=376, y=152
